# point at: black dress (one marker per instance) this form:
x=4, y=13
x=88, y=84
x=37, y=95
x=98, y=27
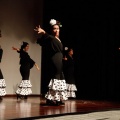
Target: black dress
x=26, y=63
x=2, y=81
x=68, y=68
x=57, y=84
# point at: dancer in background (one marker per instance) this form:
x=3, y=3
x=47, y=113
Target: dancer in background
x=2, y=80
x=26, y=63
x=68, y=68
x=56, y=94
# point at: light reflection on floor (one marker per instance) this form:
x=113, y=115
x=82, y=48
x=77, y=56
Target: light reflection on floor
x=2, y=110
x=10, y=108
x=23, y=108
x=67, y=108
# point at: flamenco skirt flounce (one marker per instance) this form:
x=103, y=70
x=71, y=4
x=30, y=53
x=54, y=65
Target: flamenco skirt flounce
x=24, y=88
x=71, y=88
x=57, y=90
x=2, y=87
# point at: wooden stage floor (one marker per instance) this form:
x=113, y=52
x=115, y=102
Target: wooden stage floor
x=33, y=108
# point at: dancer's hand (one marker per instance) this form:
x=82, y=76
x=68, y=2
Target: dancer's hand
x=14, y=48
x=65, y=58
x=39, y=30
x=37, y=66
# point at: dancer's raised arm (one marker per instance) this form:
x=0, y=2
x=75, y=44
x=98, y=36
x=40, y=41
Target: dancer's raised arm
x=14, y=48
x=39, y=30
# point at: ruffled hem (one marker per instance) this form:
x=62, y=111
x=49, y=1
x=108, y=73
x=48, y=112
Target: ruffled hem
x=57, y=90
x=71, y=94
x=56, y=95
x=71, y=87
x=24, y=88
x=2, y=92
x=2, y=83
x=24, y=91
x=25, y=84
x=59, y=85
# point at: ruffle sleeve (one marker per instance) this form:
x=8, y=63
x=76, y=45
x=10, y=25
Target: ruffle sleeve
x=43, y=39
x=32, y=63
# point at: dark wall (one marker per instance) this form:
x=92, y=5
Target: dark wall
x=93, y=30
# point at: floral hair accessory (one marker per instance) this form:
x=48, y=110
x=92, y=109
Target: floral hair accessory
x=66, y=48
x=55, y=22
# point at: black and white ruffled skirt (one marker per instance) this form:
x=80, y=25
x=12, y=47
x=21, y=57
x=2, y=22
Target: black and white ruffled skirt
x=71, y=89
x=2, y=87
x=24, y=88
x=57, y=90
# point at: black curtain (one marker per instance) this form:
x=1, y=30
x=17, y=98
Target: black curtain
x=92, y=28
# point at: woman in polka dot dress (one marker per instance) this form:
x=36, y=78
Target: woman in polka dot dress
x=57, y=86
x=26, y=63
x=2, y=80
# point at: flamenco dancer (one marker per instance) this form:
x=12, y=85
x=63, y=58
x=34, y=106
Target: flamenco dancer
x=2, y=80
x=26, y=63
x=57, y=93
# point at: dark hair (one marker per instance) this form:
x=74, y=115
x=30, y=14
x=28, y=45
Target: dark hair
x=69, y=49
x=24, y=44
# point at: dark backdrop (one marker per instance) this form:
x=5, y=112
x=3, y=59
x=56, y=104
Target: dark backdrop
x=93, y=30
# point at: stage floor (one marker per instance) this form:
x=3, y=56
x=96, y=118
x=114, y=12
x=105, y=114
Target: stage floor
x=34, y=108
